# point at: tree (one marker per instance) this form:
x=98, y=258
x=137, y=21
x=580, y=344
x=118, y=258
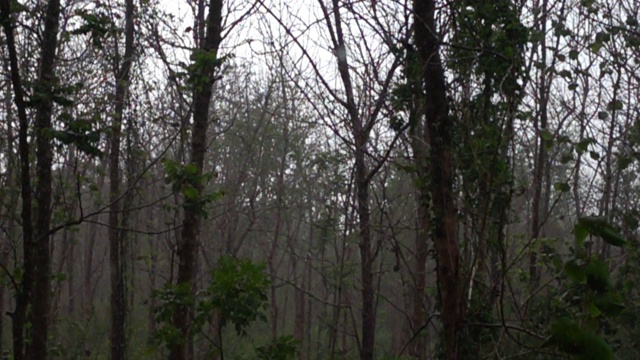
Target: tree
x=438, y=133
x=117, y=254
x=206, y=60
x=35, y=288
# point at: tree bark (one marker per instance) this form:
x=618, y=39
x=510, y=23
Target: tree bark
x=35, y=288
x=204, y=80
x=39, y=315
x=438, y=134
x=24, y=290
x=540, y=123
x=118, y=304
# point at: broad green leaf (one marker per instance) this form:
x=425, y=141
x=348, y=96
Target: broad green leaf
x=575, y=272
x=583, y=145
x=609, y=303
x=190, y=193
x=581, y=232
x=601, y=227
x=567, y=335
x=595, y=348
x=624, y=162
x=597, y=273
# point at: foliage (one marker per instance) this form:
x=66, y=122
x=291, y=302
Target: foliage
x=591, y=296
x=282, y=348
x=237, y=293
x=172, y=298
x=186, y=180
x=98, y=24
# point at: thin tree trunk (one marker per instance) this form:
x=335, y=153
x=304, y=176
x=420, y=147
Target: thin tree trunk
x=540, y=123
x=24, y=291
x=204, y=80
x=118, y=304
x=418, y=349
x=360, y=133
x=13, y=181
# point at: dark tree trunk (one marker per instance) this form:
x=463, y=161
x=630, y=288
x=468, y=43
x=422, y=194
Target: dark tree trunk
x=540, y=164
x=34, y=290
x=24, y=290
x=118, y=304
x=187, y=245
x=39, y=315
x=438, y=133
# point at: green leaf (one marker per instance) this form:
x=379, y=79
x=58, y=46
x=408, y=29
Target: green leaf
x=581, y=232
x=609, y=303
x=575, y=272
x=601, y=227
x=562, y=187
x=595, y=348
x=594, y=311
x=565, y=74
x=583, y=145
x=566, y=158
x=598, y=278
x=190, y=193
x=595, y=47
x=282, y=348
x=594, y=155
x=238, y=292
x=566, y=334
x=603, y=115
x=624, y=162
x=546, y=135
x=573, y=54
x=615, y=105
x=603, y=37
x=612, y=237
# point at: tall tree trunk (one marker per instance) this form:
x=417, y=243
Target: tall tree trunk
x=366, y=256
x=203, y=82
x=13, y=181
x=24, y=291
x=438, y=133
x=418, y=318
x=360, y=131
x=118, y=304
x=35, y=287
x=540, y=164
x=39, y=315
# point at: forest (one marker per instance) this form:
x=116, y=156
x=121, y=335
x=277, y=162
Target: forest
x=319, y=179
